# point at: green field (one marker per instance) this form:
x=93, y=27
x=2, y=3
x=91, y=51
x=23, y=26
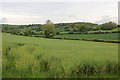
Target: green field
x=30, y=57
x=0, y=55
x=110, y=36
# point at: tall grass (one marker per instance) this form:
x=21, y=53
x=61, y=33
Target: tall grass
x=45, y=58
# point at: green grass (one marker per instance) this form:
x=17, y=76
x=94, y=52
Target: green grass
x=0, y=55
x=110, y=36
x=29, y=57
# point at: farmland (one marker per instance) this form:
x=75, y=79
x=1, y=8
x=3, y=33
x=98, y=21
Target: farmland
x=109, y=36
x=30, y=57
x=59, y=40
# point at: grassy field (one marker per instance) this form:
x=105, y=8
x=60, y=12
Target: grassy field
x=110, y=36
x=30, y=57
x=0, y=55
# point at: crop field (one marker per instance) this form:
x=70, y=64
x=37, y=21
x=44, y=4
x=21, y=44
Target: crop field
x=31, y=57
x=109, y=36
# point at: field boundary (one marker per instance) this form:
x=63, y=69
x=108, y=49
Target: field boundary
x=94, y=40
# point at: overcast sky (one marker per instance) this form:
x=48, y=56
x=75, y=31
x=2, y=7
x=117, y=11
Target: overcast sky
x=39, y=12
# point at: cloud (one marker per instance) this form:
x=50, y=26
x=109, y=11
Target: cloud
x=3, y=20
x=26, y=12
x=107, y=18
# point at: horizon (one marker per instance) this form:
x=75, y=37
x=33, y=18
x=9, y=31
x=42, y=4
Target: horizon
x=53, y=23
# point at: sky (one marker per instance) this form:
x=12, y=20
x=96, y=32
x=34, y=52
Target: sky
x=58, y=12
x=59, y=0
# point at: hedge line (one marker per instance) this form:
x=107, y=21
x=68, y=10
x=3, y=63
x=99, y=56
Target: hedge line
x=95, y=40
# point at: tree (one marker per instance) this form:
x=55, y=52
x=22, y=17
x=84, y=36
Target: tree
x=48, y=29
x=27, y=31
x=57, y=31
x=108, y=26
x=71, y=30
x=82, y=28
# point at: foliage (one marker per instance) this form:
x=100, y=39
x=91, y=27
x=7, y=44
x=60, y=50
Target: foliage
x=57, y=31
x=71, y=28
x=108, y=26
x=49, y=30
x=82, y=28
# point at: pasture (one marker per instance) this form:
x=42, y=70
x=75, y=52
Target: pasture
x=31, y=57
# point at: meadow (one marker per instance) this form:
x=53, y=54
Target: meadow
x=0, y=55
x=31, y=57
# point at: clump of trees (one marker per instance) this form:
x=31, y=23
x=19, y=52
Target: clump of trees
x=48, y=29
x=108, y=26
x=24, y=30
x=82, y=28
x=85, y=28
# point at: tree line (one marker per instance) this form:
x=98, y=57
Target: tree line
x=49, y=29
